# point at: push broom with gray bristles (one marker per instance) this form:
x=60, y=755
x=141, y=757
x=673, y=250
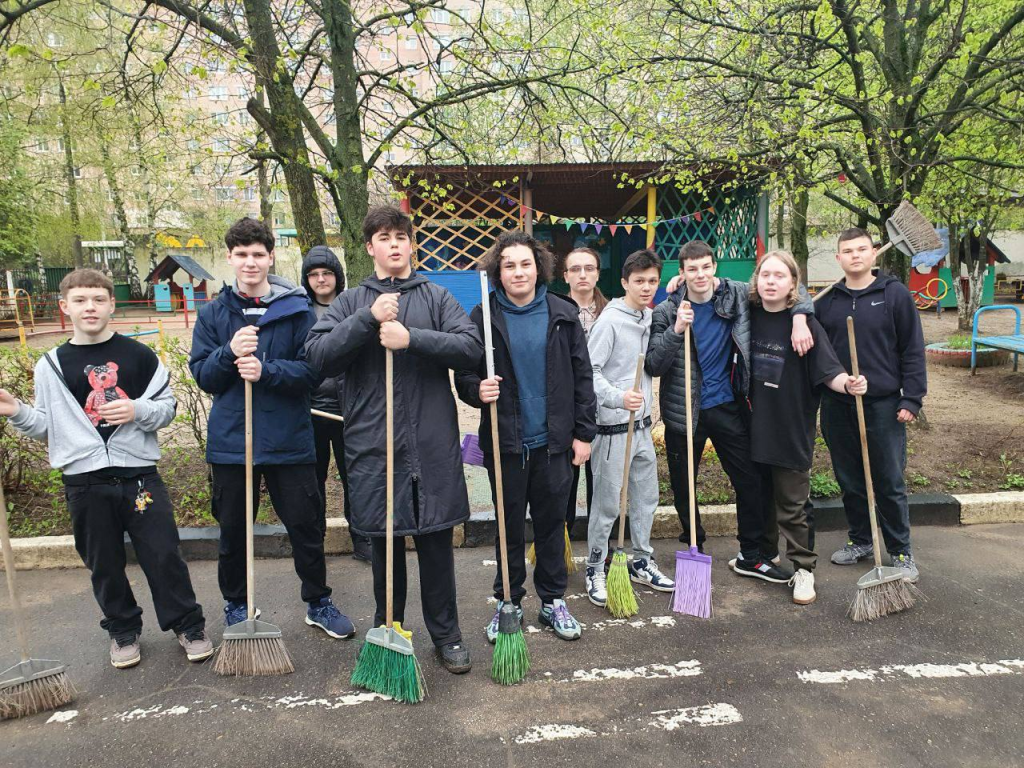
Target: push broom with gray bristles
x=511, y=659
x=387, y=661
x=251, y=648
x=32, y=685
x=692, y=594
x=881, y=591
x=621, y=601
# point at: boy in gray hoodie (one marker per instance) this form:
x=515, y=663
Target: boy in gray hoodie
x=99, y=400
x=619, y=336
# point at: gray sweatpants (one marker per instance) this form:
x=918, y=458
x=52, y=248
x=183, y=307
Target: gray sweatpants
x=606, y=459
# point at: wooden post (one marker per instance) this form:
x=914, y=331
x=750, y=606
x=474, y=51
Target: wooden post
x=652, y=213
x=528, y=219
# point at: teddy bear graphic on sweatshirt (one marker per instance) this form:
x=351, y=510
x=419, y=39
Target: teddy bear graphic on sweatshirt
x=103, y=380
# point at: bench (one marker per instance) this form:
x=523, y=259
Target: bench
x=1014, y=343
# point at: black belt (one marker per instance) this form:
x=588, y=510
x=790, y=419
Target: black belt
x=109, y=476
x=618, y=429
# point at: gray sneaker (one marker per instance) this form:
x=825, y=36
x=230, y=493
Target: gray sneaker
x=197, y=645
x=905, y=562
x=125, y=651
x=557, y=616
x=492, y=628
x=851, y=554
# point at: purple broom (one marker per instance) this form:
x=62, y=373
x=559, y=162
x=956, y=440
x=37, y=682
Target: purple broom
x=692, y=594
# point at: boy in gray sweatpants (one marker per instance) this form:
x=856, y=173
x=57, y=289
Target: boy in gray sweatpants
x=621, y=334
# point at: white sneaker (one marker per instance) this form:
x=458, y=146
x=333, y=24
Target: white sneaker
x=597, y=591
x=803, y=587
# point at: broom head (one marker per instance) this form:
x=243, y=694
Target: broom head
x=531, y=554
x=511, y=660
x=33, y=686
x=692, y=594
x=570, y=564
x=621, y=599
x=910, y=231
x=387, y=665
x=252, y=648
x=880, y=592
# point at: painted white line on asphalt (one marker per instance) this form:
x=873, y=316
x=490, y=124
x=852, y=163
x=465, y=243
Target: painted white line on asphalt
x=710, y=714
x=63, y=716
x=553, y=732
x=689, y=668
x=916, y=671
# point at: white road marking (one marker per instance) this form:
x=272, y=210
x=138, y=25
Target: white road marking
x=155, y=712
x=292, y=701
x=916, y=671
x=710, y=714
x=661, y=622
x=553, y=732
x=493, y=563
x=63, y=716
x=689, y=668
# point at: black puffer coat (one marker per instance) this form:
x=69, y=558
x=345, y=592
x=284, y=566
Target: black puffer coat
x=326, y=397
x=430, y=488
x=665, y=351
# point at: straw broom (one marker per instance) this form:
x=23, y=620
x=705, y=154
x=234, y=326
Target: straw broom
x=882, y=590
x=621, y=601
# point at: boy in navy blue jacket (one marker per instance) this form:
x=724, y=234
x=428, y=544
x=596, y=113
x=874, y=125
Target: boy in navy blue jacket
x=255, y=331
x=890, y=350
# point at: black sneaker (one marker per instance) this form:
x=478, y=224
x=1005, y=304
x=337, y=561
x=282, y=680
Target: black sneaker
x=684, y=538
x=455, y=658
x=362, y=550
x=762, y=569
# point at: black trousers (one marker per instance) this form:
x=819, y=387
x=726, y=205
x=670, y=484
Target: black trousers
x=570, y=507
x=437, y=584
x=539, y=481
x=726, y=427
x=102, y=511
x=296, y=498
x=328, y=434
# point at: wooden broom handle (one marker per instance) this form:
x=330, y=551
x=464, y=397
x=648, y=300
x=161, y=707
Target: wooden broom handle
x=250, y=555
x=5, y=540
x=624, y=491
x=389, y=562
x=499, y=487
x=864, y=448
x=691, y=480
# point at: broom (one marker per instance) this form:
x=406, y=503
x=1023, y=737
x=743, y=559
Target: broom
x=33, y=685
x=251, y=648
x=621, y=601
x=387, y=663
x=570, y=563
x=511, y=659
x=692, y=594
x=881, y=590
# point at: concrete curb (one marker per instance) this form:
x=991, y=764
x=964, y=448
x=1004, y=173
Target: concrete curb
x=44, y=552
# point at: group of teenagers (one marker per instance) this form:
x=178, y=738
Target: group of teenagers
x=564, y=382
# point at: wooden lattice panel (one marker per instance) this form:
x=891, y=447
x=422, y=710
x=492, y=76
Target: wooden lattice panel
x=454, y=232
x=731, y=229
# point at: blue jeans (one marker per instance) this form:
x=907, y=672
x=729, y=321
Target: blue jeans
x=887, y=451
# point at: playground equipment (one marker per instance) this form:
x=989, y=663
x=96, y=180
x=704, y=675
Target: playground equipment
x=1013, y=343
x=926, y=298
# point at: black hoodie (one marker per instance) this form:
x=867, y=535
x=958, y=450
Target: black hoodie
x=890, y=342
x=327, y=396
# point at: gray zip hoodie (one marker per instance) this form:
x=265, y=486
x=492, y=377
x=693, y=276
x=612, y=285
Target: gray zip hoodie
x=618, y=336
x=76, y=446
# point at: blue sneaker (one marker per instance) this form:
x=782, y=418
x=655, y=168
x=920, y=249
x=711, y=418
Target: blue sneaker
x=556, y=615
x=323, y=614
x=492, y=628
x=236, y=611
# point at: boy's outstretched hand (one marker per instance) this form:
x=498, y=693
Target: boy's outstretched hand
x=9, y=404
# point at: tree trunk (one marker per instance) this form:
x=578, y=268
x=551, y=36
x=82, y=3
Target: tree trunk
x=798, y=231
x=780, y=224
x=283, y=124
x=69, y=176
x=956, y=261
x=121, y=216
x=976, y=271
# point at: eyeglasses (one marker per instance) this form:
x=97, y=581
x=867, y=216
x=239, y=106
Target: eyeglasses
x=589, y=269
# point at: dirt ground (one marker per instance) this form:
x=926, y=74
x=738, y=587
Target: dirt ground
x=970, y=440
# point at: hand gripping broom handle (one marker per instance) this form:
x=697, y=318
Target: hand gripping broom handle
x=864, y=448
x=5, y=540
x=623, y=492
x=389, y=389
x=690, y=479
x=250, y=555
x=485, y=307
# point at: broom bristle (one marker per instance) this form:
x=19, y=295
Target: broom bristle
x=253, y=657
x=511, y=660
x=917, y=230
x=39, y=695
x=570, y=564
x=878, y=600
x=531, y=554
x=692, y=594
x=621, y=599
x=389, y=673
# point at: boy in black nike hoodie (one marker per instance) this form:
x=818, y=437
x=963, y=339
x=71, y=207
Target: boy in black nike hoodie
x=890, y=350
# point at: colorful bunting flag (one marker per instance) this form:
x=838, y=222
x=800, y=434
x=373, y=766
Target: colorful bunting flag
x=597, y=227
x=612, y=228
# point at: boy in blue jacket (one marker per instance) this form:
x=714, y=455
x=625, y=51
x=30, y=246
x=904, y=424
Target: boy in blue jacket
x=255, y=331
